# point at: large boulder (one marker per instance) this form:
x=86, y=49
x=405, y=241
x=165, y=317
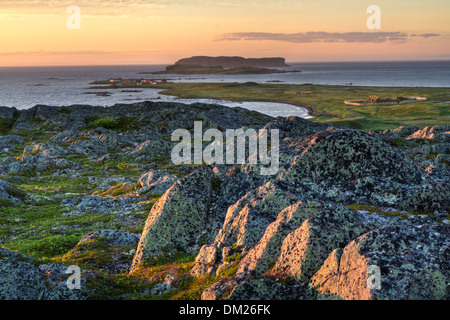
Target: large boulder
x=248, y=218
x=9, y=194
x=246, y=222
x=439, y=133
x=8, y=143
x=342, y=156
x=156, y=182
x=179, y=219
x=21, y=278
x=20, y=281
x=304, y=250
x=295, y=128
x=392, y=263
x=336, y=223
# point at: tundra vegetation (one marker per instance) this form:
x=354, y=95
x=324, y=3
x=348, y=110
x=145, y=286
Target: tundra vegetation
x=95, y=187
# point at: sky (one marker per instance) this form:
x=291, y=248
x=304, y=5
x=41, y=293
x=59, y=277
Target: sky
x=38, y=33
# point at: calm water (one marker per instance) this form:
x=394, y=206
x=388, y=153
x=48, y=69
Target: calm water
x=24, y=87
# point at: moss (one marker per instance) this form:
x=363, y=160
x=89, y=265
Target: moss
x=107, y=123
x=5, y=125
x=118, y=190
x=47, y=247
x=6, y=203
x=178, y=257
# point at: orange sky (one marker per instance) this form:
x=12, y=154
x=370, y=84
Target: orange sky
x=34, y=32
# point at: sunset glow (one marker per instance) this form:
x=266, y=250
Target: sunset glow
x=160, y=32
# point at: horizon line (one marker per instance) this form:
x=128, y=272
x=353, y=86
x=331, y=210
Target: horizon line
x=165, y=64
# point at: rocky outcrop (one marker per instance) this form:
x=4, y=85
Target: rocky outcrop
x=114, y=237
x=342, y=156
x=436, y=133
x=343, y=204
x=179, y=219
x=22, y=279
x=391, y=263
x=295, y=128
x=10, y=194
x=107, y=250
x=300, y=238
x=156, y=182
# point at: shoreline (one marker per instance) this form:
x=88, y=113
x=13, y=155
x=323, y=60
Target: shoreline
x=312, y=111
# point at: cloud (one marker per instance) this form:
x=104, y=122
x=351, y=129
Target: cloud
x=314, y=36
x=76, y=53
x=91, y=7
x=428, y=35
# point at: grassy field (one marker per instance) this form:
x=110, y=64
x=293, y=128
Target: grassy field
x=328, y=101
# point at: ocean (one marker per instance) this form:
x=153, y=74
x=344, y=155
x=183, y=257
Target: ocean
x=25, y=87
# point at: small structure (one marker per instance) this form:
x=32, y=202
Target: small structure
x=375, y=100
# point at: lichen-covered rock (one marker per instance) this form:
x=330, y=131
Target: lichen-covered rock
x=221, y=289
x=343, y=155
x=9, y=255
x=305, y=249
x=207, y=260
x=7, y=113
x=265, y=289
x=435, y=148
x=56, y=277
x=179, y=218
x=89, y=147
x=10, y=194
x=428, y=196
x=45, y=150
x=114, y=237
x=295, y=128
x=248, y=218
x=8, y=143
x=440, y=133
x=265, y=254
x=20, y=281
x=151, y=148
x=412, y=264
x=156, y=182
x=400, y=132
x=68, y=136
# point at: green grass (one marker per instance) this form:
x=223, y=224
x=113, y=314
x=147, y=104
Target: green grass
x=329, y=101
x=107, y=123
x=5, y=125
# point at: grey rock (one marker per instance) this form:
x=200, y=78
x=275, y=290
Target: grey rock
x=156, y=182
x=178, y=219
x=413, y=264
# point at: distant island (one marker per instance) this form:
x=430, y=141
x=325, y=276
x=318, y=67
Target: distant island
x=233, y=62
x=225, y=65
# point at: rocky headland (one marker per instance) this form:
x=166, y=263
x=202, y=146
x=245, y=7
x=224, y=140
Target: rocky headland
x=233, y=62
x=349, y=214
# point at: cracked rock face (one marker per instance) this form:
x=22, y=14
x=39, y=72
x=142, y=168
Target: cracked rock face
x=301, y=235
x=413, y=264
x=179, y=218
